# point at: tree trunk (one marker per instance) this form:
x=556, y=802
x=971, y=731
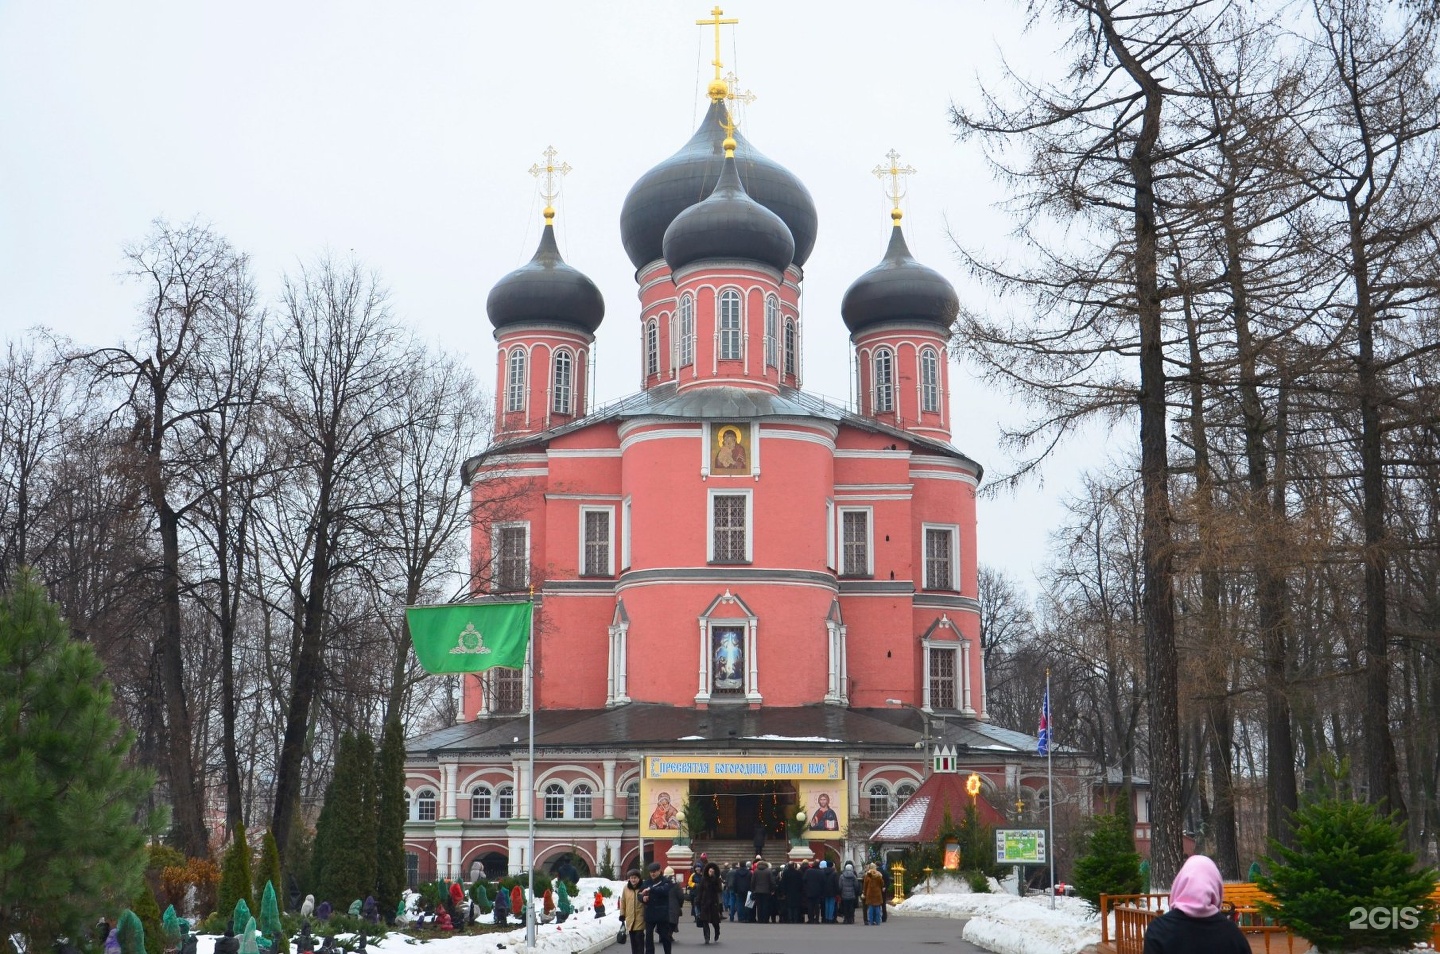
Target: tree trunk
x=186, y=795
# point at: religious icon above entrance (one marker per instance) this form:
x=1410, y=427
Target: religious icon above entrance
x=731, y=447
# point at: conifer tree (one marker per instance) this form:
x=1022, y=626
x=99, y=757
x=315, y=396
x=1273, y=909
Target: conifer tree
x=269, y=870
x=240, y=917
x=130, y=933
x=270, y=920
x=68, y=800
x=390, y=817
x=345, y=845
x=148, y=911
x=1110, y=864
x=235, y=880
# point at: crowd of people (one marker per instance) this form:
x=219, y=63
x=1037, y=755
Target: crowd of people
x=652, y=905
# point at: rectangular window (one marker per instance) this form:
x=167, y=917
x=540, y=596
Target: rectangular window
x=940, y=558
x=687, y=331
x=564, y=381
x=506, y=800
x=855, y=542
x=772, y=332
x=652, y=347
x=929, y=381
x=942, y=678
x=508, y=686
x=595, y=558
x=729, y=325
x=584, y=802
x=412, y=870
x=515, y=387
x=554, y=802
x=729, y=537
x=512, y=557
x=632, y=801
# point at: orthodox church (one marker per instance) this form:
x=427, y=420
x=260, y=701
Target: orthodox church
x=755, y=610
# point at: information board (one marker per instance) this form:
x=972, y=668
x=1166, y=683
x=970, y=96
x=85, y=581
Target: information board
x=1020, y=846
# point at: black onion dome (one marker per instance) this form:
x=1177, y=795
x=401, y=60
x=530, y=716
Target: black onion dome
x=546, y=289
x=728, y=224
x=899, y=289
x=690, y=175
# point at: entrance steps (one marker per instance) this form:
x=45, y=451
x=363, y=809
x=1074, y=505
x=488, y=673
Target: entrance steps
x=733, y=852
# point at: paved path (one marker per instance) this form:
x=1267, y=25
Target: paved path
x=932, y=935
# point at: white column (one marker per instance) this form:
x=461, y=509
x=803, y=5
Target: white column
x=702, y=694
x=609, y=788
x=752, y=688
x=524, y=797
x=448, y=772
x=622, y=666
x=611, y=675
x=844, y=669
x=965, y=676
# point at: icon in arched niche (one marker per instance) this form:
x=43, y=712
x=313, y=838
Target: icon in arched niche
x=730, y=448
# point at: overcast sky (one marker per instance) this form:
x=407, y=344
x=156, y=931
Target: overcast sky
x=402, y=132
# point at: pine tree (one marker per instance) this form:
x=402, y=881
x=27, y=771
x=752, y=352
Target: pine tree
x=235, y=881
x=68, y=800
x=1347, y=856
x=130, y=933
x=1110, y=864
x=345, y=847
x=148, y=911
x=269, y=870
x=390, y=817
x=977, y=844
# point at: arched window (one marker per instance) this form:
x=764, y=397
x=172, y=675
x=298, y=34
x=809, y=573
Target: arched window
x=729, y=325
x=505, y=802
x=772, y=332
x=687, y=331
x=407, y=805
x=554, y=800
x=790, y=346
x=884, y=381
x=515, y=381
x=879, y=800
x=652, y=347
x=480, y=801
x=427, y=805
x=584, y=801
x=564, y=382
x=632, y=800
x=929, y=380
x=903, y=791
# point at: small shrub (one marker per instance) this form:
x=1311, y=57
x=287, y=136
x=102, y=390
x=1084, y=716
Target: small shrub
x=979, y=883
x=1109, y=864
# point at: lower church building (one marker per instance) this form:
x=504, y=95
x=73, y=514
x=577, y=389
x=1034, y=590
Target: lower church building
x=748, y=599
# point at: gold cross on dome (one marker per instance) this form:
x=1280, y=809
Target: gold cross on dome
x=717, y=20
x=549, y=175
x=895, y=188
x=733, y=91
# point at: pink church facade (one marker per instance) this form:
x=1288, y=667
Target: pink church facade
x=747, y=599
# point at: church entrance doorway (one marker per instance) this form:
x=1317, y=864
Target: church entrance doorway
x=733, y=810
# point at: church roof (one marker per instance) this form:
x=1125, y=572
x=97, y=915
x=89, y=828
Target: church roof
x=728, y=224
x=719, y=402
x=900, y=289
x=546, y=289
x=920, y=818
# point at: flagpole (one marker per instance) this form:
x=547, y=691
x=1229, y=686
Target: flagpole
x=1050, y=784
x=530, y=700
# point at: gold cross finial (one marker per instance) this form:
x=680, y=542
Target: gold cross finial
x=549, y=173
x=895, y=188
x=734, y=93
x=728, y=124
x=717, y=85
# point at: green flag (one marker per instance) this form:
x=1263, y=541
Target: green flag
x=470, y=637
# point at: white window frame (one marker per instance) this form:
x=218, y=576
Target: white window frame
x=497, y=583
x=632, y=799
x=772, y=331
x=929, y=380
x=420, y=802
x=749, y=525
x=882, y=393
x=575, y=801
x=583, y=566
x=625, y=524
x=830, y=535
x=687, y=330
x=750, y=625
x=792, y=348
x=618, y=675
x=843, y=566
x=554, y=802
x=562, y=392
x=954, y=531
x=964, y=703
x=729, y=341
x=902, y=795
x=504, y=795
x=516, y=371
x=878, y=791
x=482, y=791
x=652, y=348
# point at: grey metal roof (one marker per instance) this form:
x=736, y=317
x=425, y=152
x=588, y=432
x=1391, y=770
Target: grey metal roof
x=728, y=224
x=899, y=289
x=546, y=289
x=720, y=402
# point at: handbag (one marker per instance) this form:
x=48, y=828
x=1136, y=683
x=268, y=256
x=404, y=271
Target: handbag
x=749, y=900
x=621, y=937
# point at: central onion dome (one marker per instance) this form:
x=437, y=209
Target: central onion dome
x=899, y=289
x=728, y=224
x=691, y=174
x=545, y=289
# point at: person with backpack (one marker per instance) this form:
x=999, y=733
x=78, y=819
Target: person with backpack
x=849, y=892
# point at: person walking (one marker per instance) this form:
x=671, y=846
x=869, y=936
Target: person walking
x=762, y=886
x=742, y=894
x=677, y=898
x=1194, y=924
x=814, y=893
x=849, y=892
x=708, y=891
x=729, y=877
x=632, y=912
x=872, y=893
x=832, y=890
x=655, y=895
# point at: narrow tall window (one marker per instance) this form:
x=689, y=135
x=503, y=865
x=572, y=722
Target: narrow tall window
x=554, y=800
x=729, y=326
x=480, y=802
x=790, y=347
x=632, y=801
x=687, y=331
x=728, y=545
x=942, y=677
x=929, y=380
x=939, y=559
x=508, y=686
x=879, y=800
x=512, y=558
x=652, y=347
x=584, y=797
x=426, y=802
x=597, y=543
x=564, y=382
x=884, y=381
x=505, y=802
x=515, y=382
x=856, y=542
x=772, y=332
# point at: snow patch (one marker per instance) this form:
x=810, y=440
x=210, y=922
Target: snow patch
x=1009, y=925
x=789, y=738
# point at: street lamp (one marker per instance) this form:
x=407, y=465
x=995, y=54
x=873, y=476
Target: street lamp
x=925, y=737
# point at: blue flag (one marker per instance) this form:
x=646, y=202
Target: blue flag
x=1043, y=748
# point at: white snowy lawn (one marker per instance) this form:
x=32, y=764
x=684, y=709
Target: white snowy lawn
x=1007, y=924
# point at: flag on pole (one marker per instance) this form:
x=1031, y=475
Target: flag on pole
x=1043, y=748
x=470, y=637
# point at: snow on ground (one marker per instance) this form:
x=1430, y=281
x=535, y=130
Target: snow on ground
x=1006, y=924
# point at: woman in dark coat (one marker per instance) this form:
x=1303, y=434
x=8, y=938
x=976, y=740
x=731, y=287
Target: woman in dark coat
x=709, y=909
x=1195, y=924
